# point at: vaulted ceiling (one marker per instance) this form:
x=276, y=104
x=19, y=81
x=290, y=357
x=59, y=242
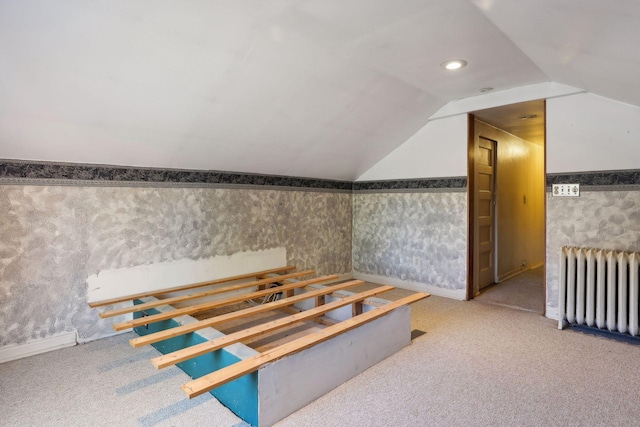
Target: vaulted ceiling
x=311, y=88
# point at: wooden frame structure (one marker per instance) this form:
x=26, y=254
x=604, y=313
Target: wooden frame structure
x=195, y=345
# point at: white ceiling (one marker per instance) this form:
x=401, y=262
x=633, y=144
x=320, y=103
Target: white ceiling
x=313, y=88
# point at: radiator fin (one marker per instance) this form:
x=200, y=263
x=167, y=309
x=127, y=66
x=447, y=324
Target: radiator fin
x=599, y=288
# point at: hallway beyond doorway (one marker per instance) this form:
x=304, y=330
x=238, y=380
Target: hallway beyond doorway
x=523, y=292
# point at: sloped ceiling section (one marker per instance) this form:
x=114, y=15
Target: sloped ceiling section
x=312, y=88
x=590, y=44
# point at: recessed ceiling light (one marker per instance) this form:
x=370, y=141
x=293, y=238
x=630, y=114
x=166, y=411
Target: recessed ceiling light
x=454, y=64
x=528, y=116
x=486, y=89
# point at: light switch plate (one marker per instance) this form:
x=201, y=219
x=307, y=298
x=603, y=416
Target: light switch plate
x=565, y=190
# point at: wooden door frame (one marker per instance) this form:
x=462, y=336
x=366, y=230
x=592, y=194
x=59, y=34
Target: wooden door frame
x=471, y=205
x=544, y=207
x=471, y=119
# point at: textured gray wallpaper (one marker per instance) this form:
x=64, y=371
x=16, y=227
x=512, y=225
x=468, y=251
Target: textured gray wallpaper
x=54, y=237
x=420, y=237
x=596, y=219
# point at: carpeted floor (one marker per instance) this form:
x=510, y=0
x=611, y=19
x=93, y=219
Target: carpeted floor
x=523, y=292
x=476, y=365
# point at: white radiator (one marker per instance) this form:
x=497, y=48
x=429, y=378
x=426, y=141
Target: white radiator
x=599, y=288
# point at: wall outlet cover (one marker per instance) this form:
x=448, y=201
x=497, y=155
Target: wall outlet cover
x=565, y=190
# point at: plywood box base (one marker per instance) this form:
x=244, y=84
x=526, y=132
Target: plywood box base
x=282, y=387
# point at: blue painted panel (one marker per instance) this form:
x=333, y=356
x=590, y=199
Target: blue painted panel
x=240, y=396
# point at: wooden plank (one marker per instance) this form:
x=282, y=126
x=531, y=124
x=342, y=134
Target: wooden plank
x=222, y=376
x=182, y=298
x=326, y=321
x=213, y=304
x=184, y=354
x=290, y=310
x=190, y=286
x=279, y=304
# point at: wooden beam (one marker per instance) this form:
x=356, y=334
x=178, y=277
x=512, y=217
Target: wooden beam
x=222, y=376
x=181, y=298
x=279, y=304
x=95, y=304
x=356, y=309
x=213, y=304
x=218, y=343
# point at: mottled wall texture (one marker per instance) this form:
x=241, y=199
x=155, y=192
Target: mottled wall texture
x=413, y=236
x=596, y=219
x=54, y=237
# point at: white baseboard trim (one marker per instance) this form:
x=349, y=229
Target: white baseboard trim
x=517, y=271
x=82, y=340
x=18, y=351
x=459, y=294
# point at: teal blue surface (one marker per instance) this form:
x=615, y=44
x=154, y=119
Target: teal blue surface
x=240, y=396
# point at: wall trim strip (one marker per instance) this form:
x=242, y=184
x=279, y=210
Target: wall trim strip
x=598, y=180
x=23, y=172
x=18, y=351
x=20, y=172
x=139, y=184
x=450, y=184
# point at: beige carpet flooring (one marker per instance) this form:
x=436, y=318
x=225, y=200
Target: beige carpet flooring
x=523, y=292
x=477, y=365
